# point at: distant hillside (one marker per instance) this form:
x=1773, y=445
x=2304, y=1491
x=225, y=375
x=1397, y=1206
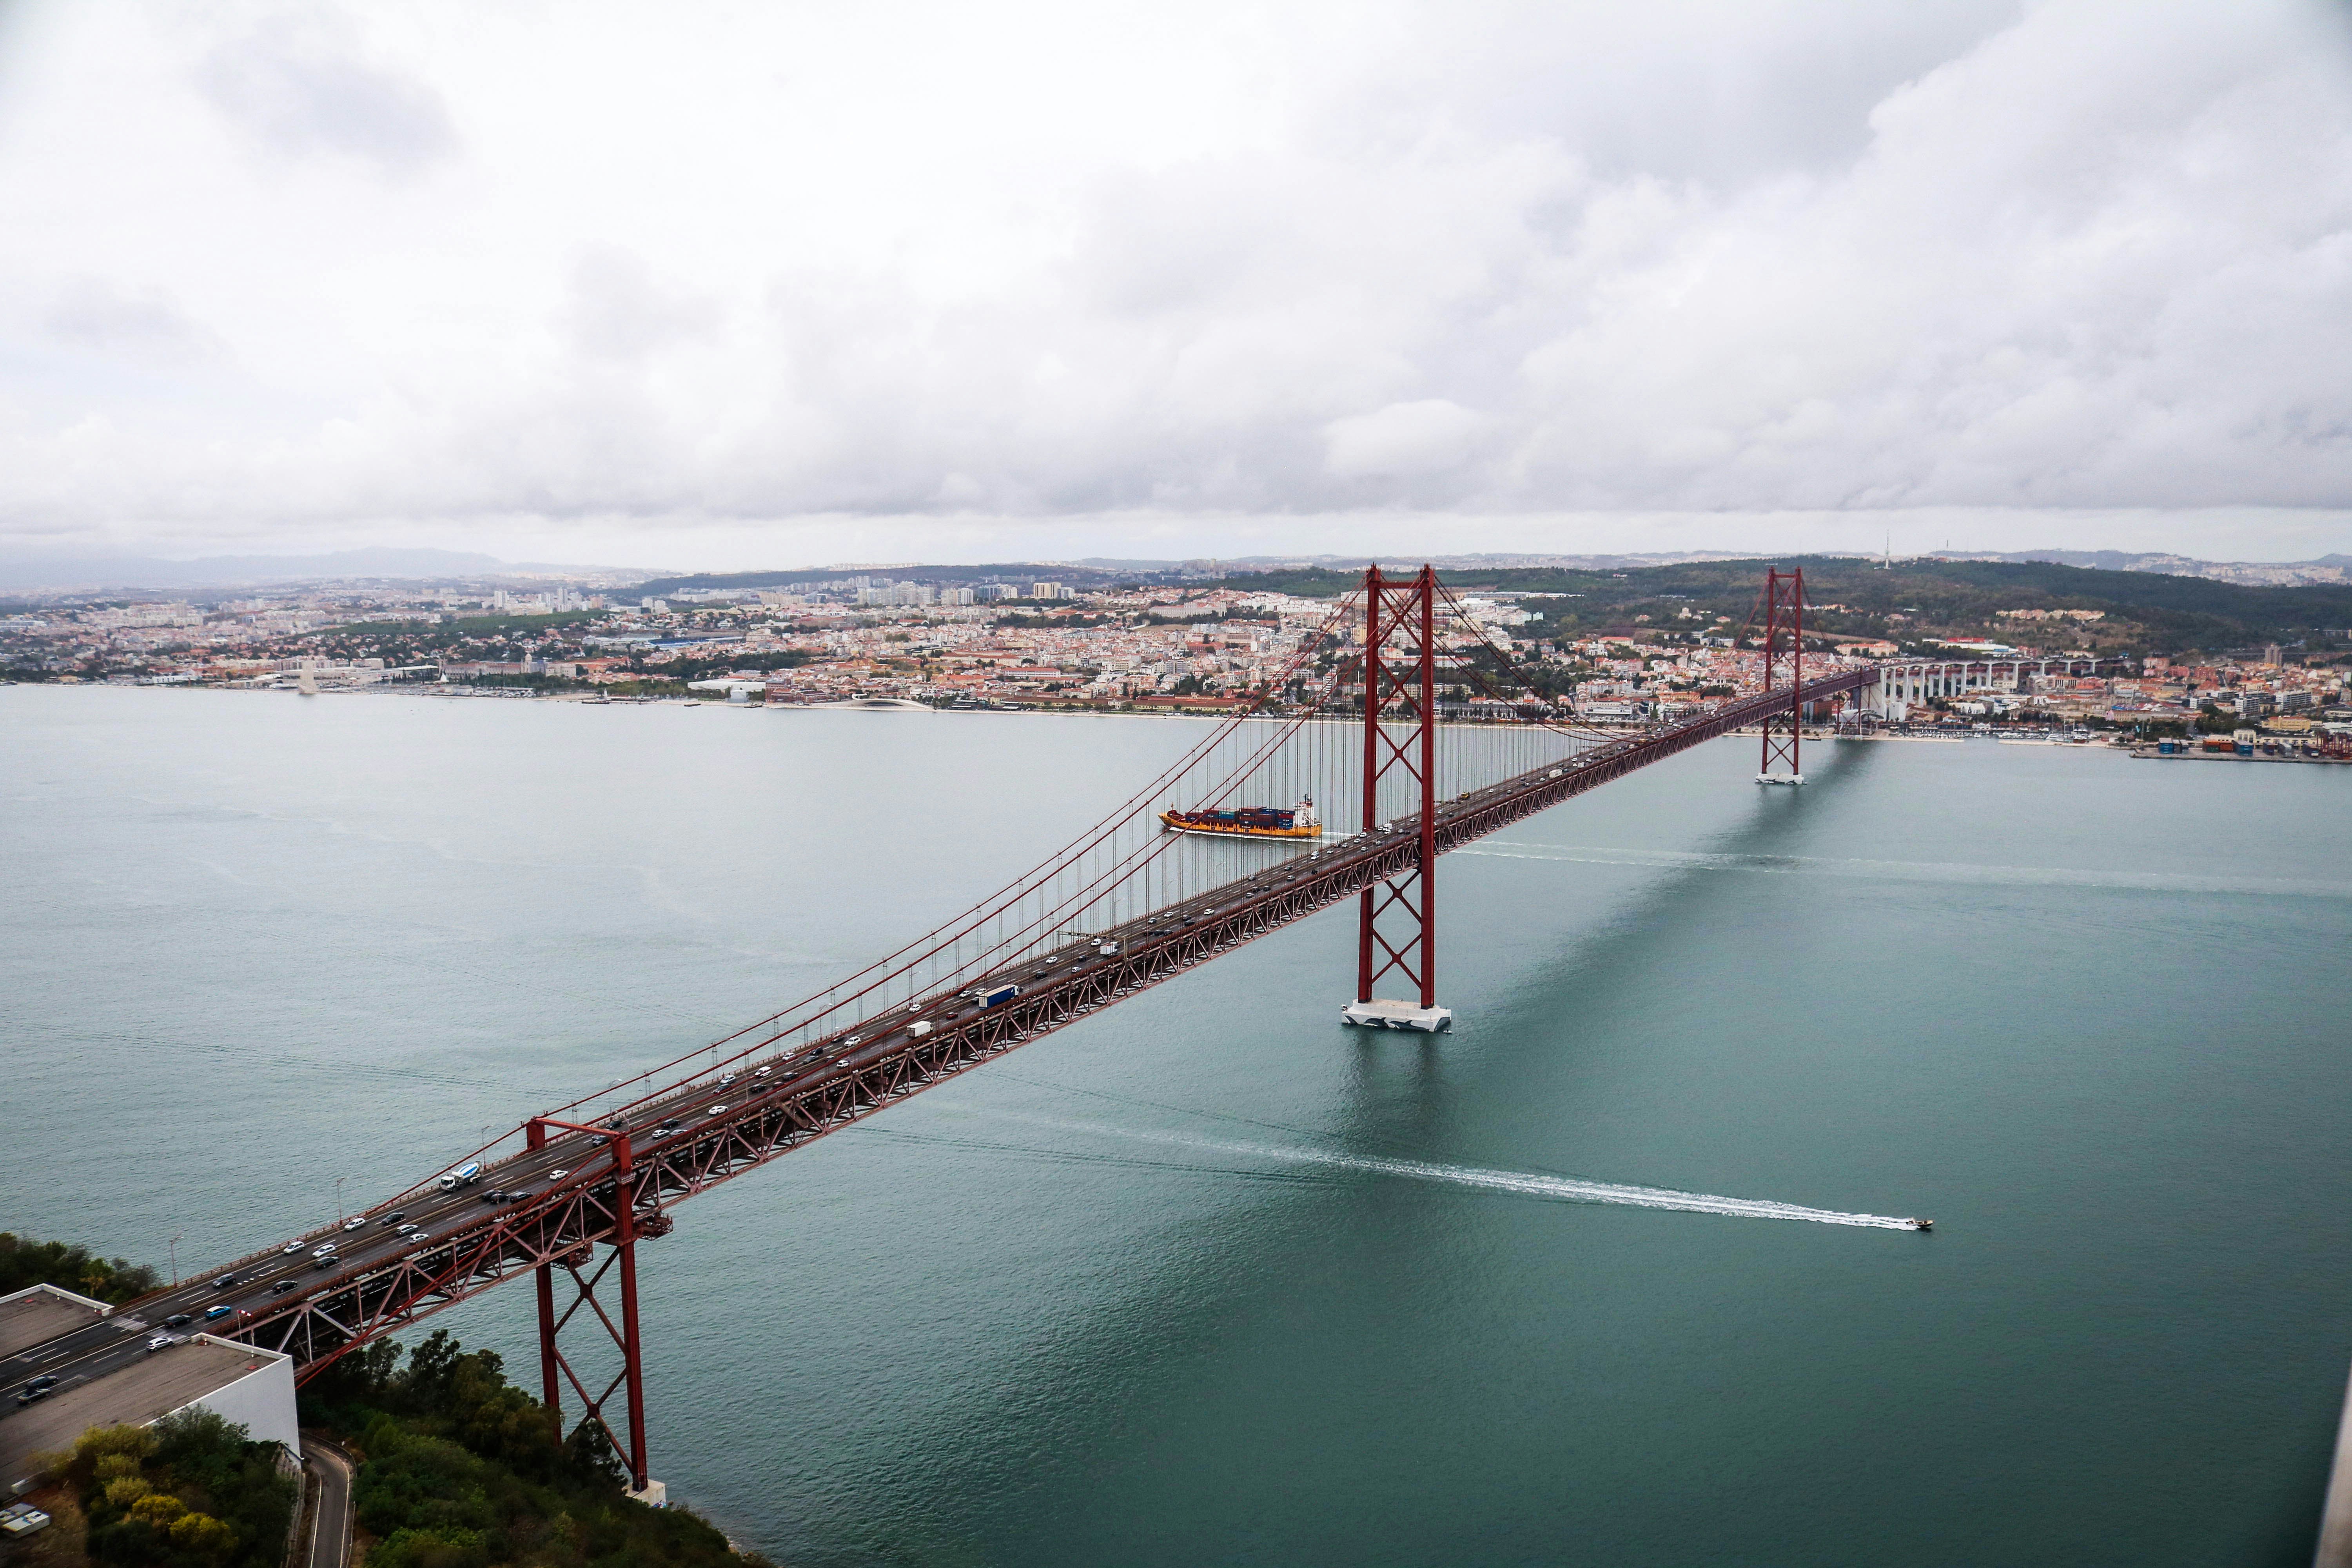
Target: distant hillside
x=2141, y=611
x=2328, y=569
x=58, y=573
x=1076, y=575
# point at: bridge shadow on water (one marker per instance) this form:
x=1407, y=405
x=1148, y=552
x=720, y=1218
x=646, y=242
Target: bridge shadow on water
x=1585, y=973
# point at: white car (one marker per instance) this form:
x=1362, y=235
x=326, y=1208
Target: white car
x=557, y=1175
x=291, y=1248
x=725, y=1079
x=715, y=1110
x=355, y=1222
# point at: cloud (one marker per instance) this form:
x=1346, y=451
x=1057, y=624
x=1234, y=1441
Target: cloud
x=298, y=83
x=1064, y=262
x=1428, y=437
x=96, y=313
x=618, y=310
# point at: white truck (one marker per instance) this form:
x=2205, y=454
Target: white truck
x=465, y=1176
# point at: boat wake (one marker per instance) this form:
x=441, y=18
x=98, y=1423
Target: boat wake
x=1523, y=1184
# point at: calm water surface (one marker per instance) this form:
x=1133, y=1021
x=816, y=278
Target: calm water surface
x=1085, y=1307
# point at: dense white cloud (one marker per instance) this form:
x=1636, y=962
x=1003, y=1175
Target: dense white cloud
x=1087, y=275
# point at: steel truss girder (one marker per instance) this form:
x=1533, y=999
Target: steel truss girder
x=353, y=1308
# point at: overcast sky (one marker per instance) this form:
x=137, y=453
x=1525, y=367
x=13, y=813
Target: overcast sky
x=702, y=285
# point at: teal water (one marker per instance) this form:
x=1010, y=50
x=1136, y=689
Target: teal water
x=1089, y=1305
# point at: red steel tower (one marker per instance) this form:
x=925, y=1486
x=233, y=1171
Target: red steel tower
x=1400, y=739
x=555, y=1367
x=1784, y=634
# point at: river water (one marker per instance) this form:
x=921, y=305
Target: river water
x=1209, y=1278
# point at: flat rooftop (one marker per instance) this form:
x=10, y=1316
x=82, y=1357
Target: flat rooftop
x=142, y=1391
x=33, y=1316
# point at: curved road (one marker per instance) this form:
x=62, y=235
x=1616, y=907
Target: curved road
x=331, y=1524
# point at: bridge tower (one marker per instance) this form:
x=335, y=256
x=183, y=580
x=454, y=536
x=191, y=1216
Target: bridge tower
x=1784, y=637
x=555, y=1368
x=1397, y=915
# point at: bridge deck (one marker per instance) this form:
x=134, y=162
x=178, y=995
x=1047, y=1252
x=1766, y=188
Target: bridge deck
x=551, y=1204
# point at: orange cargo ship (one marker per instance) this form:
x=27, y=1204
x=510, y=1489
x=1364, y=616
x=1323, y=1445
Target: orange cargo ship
x=1249, y=821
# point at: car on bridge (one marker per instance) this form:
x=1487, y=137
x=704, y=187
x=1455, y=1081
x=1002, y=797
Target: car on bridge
x=225, y=1281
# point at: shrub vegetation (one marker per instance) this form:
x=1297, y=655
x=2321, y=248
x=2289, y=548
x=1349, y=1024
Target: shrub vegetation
x=188, y=1492
x=461, y=1469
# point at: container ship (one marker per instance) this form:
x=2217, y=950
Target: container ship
x=1249, y=821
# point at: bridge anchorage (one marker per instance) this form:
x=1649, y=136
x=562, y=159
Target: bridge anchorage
x=1402, y=711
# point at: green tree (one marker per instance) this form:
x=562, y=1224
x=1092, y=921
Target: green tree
x=25, y=1262
x=2213, y=721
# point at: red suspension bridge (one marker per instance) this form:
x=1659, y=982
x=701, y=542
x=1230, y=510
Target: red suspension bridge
x=1403, y=714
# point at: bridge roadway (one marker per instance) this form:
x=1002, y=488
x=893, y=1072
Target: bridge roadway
x=547, y=1205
